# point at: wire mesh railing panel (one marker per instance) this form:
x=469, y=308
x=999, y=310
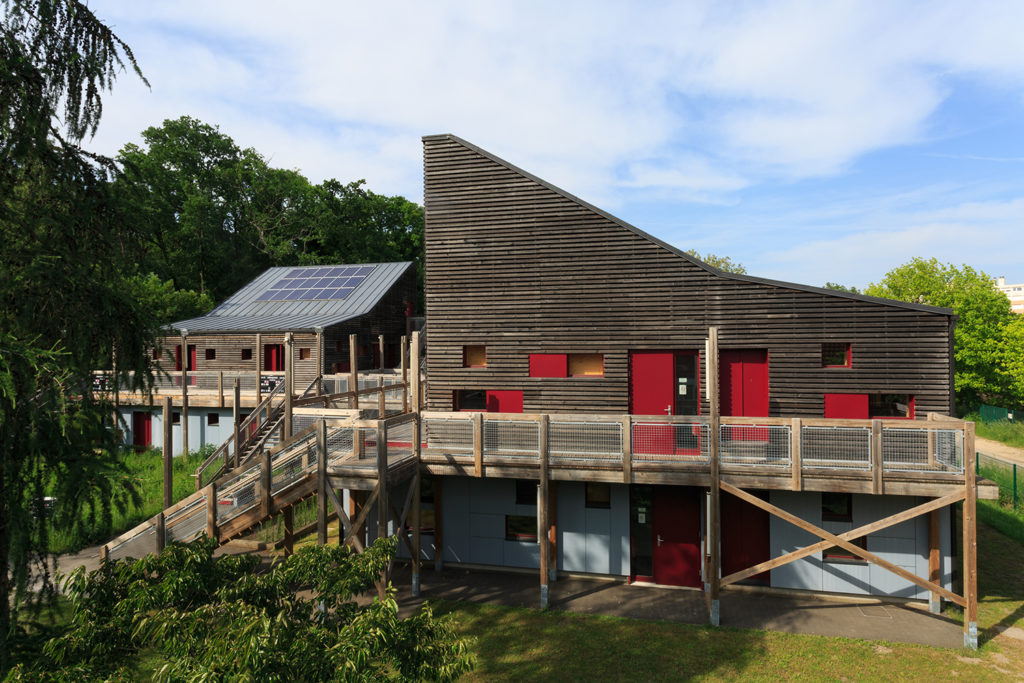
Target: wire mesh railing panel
x=671, y=442
x=288, y=470
x=301, y=422
x=400, y=442
x=575, y=441
x=238, y=494
x=188, y=522
x=915, y=450
x=846, y=448
x=766, y=445
x=511, y=439
x=449, y=435
x=339, y=443
x=141, y=544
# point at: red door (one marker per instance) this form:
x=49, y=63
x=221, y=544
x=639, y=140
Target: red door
x=273, y=357
x=676, y=525
x=745, y=534
x=142, y=430
x=744, y=382
x=652, y=376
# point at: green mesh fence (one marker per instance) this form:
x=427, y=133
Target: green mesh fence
x=1009, y=476
x=995, y=414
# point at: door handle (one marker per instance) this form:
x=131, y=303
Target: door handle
x=668, y=409
x=659, y=540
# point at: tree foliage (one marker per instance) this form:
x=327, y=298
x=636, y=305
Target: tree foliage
x=986, y=330
x=723, y=263
x=841, y=288
x=218, y=619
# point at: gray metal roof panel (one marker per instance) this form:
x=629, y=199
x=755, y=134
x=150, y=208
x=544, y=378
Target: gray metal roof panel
x=242, y=312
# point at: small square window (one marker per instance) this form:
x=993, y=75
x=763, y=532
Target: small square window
x=304, y=354
x=211, y=354
x=836, y=355
x=586, y=365
x=175, y=418
x=470, y=399
x=246, y=354
x=521, y=528
x=526, y=492
x=599, y=495
x=157, y=354
x=836, y=507
x=213, y=419
x=474, y=356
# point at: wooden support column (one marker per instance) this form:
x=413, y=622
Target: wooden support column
x=553, y=523
x=211, y=511
x=289, y=388
x=931, y=443
x=934, y=560
x=353, y=369
x=259, y=369
x=168, y=453
x=185, y=358
x=236, y=415
x=382, y=409
x=715, y=522
x=542, y=511
x=404, y=352
x=380, y=351
x=478, y=444
x=970, y=550
x=161, y=532
x=627, y=450
x=877, y=486
x=266, y=481
x=322, y=483
x=796, y=463
x=320, y=366
x=417, y=488
x=288, y=542
x=220, y=388
x=438, y=522
x=382, y=479
x=414, y=368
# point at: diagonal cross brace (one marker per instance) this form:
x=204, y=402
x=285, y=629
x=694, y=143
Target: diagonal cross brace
x=843, y=541
x=346, y=522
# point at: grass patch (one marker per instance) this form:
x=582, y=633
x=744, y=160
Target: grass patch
x=1004, y=431
x=1006, y=520
x=145, y=469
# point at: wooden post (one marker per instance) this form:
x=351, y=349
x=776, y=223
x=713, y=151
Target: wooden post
x=266, y=482
x=553, y=523
x=931, y=443
x=185, y=358
x=288, y=515
x=211, y=511
x=236, y=414
x=382, y=478
x=714, y=525
x=542, y=511
x=796, y=457
x=877, y=486
x=322, y=483
x=404, y=352
x=934, y=560
x=627, y=449
x=382, y=410
x=168, y=451
x=416, y=515
x=380, y=351
x=220, y=388
x=353, y=368
x=320, y=368
x=104, y=553
x=438, y=522
x=259, y=369
x=970, y=549
x=478, y=444
x=414, y=367
x=289, y=389
x=161, y=532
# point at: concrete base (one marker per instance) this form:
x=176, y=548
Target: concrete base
x=716, y=613
x=543, y=597
x=935, y=606
x=416, y=585
x=971, y=636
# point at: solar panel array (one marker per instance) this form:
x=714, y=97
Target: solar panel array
x=317, y=284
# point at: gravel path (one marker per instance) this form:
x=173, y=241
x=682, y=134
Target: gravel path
x=999, y=450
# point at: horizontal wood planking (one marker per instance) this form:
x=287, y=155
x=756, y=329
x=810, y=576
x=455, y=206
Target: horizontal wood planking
x=520, y=268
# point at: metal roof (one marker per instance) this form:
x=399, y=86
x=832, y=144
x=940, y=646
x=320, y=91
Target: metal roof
x=679, y=252
x=241, y=312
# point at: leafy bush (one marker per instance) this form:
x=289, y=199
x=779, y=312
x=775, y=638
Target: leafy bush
x=219, y=619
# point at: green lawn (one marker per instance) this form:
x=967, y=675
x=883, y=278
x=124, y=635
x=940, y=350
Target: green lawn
x=1010, y=433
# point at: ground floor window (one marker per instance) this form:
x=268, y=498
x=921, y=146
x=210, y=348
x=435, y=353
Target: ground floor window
x=521, y=528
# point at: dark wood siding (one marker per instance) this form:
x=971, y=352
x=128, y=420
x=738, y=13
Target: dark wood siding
x=522, y=268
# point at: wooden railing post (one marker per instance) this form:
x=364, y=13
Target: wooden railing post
x=414, y=368
x=714, y=526
x=161, y=532
x=266, y=484
x=796, y=456
x=380, y=351
x=627, y=449
x=289, y=389
x=478, y=444
x=931, y=443
x=220, y=388
x=544, y=533
x=404, y=351
x=322, y=483
x=970, y=550
x=382, y=410
x=353, y=369
x=236, y=415
x=168, y=453
x=185, y=358
x=416, y=516
x=382, y=478
x=877, y=485
x=211, y=511
x=259, y=369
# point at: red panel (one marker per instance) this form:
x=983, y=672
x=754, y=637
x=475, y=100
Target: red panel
x=744, y=382
x=504, y=401
x=676, y=526
x=745, y=539
x=652, y=379
x=142, y=430
x=548, y=365
x=847, y=406
x=273, y=357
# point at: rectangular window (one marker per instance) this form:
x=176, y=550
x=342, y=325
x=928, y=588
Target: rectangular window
x=840, y=555
x=175, y=418
x=213, y=419
x=599, y=495
x=586, y=364
x=211, y=354
x=304, y=354
x=470, y=399
x=526, y=492
x=891, y=406
x=246, y=354
x=521, y=528
x=836, y=507
x=548, y=365
x=474, y=356
x=836, y=355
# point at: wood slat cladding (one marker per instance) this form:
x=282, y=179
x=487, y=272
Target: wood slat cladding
x=520, y=267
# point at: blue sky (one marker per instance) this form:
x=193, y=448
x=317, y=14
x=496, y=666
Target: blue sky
x=810, y=141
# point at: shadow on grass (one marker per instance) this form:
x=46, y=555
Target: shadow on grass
x=1000, y=558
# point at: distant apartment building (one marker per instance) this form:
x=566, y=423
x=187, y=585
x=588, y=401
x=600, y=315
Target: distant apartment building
x=1014, y=292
